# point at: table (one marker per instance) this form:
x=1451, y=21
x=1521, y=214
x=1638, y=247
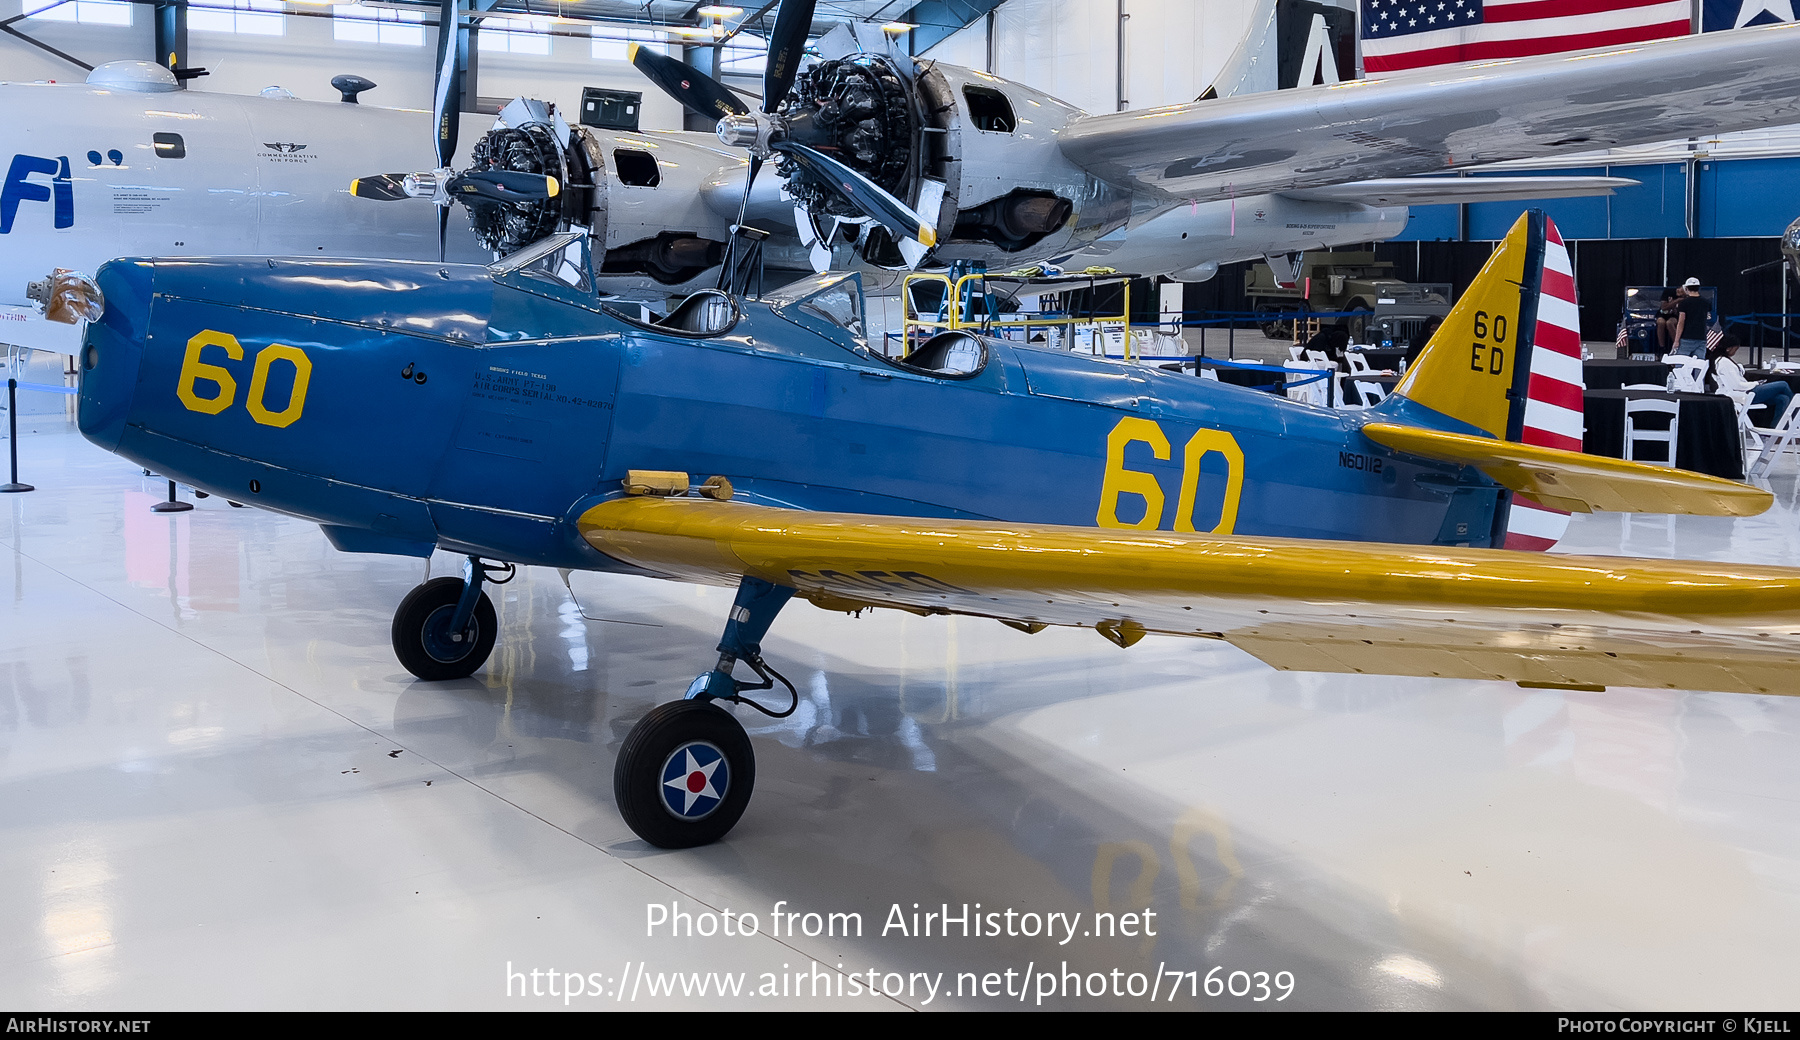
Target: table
x=1613, y=375
x=1760, y=375
x=1707, y=442
x=1240, y=373
x=1380, y=358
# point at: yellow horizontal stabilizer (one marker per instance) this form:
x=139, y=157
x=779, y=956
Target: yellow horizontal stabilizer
x=1294, y=603
x=1576, y=482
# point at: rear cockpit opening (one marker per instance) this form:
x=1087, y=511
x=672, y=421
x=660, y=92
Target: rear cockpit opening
x=952, y=355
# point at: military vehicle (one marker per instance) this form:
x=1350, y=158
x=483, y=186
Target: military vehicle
x=1351, y=284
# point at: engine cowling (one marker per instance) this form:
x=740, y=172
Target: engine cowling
x=974, y=153
x=639, y=196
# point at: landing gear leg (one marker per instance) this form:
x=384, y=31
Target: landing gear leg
x=686, y=770
x=445, y=628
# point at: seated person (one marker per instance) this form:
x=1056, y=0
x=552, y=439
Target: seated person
x=1331, y=341
x=1666, y=312
x=1421, y=338
x=1728, y=376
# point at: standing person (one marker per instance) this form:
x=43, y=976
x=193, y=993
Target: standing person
x=1725, y=373
x=1691, y=315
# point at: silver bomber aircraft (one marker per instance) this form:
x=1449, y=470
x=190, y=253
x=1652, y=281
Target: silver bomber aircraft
x=127, y=164
x=885, y=161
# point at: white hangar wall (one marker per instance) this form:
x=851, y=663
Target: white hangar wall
x=1070, y=48
x=305, y=57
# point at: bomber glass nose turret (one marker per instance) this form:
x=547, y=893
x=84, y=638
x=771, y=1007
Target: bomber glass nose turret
x=113, y=350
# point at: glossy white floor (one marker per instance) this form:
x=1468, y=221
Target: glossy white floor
x=219, y=790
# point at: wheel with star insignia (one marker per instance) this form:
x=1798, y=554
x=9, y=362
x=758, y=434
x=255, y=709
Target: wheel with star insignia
x=684, y=774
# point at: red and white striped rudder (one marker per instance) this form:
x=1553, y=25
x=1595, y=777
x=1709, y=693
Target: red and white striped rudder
x=1553, y=412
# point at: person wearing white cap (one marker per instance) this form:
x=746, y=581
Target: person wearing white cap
x=1690, y=320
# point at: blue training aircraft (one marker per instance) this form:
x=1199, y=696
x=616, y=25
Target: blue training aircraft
x=502, y=413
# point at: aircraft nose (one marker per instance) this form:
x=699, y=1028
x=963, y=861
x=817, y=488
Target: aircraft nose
x=113, y=349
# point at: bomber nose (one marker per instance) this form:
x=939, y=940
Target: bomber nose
x=112, y=350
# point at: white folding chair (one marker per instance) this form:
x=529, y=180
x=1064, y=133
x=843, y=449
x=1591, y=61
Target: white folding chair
x=1318, y=391
x=1210, y=373
x=1771, y=441
x=1317, y=355
x=1652, y=434
x=1359, y=365
x=1295, y=352
x=1687, y=375
x=1368, y=394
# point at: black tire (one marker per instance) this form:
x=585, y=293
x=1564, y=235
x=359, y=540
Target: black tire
x=681, y=736
x=1272, y=327
x=1357, y=324
x=421, y=626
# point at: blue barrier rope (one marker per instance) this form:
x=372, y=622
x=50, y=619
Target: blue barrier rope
x=48, y=389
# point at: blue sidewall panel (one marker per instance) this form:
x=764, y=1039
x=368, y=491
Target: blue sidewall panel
x=1431, y=224
x=1576, y=218
x=1656, y=208
x=1746, y=198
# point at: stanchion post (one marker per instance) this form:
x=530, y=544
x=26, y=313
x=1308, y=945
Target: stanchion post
x=12, y=440
x=172, y=504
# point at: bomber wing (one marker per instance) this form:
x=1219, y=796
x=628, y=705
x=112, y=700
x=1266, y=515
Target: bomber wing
x=1295, y=604
x=1435, y=119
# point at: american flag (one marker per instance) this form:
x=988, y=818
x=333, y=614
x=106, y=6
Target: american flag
x=1410, y=34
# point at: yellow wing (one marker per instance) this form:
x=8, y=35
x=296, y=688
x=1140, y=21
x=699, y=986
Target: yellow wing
x=1295, y=604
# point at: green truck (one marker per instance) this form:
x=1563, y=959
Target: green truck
x=1335, y=282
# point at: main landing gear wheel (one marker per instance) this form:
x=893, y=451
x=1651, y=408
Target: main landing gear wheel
x=684, y=775
x=423, y=640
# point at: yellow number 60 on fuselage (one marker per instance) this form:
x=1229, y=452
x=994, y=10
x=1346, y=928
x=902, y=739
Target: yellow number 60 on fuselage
x=194, y=370
x=1121, y=481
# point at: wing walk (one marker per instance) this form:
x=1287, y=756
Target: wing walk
x=1301, y=604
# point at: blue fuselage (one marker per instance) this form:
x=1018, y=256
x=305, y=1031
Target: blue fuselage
x=408, y=406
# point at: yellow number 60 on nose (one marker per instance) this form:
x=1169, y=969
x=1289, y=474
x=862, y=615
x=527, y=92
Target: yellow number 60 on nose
x=194, y=370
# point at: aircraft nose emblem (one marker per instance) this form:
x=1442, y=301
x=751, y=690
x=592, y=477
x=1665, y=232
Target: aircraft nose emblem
x=408, y=373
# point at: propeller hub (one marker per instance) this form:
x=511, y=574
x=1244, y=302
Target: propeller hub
x=751, y=131
x=428, y=185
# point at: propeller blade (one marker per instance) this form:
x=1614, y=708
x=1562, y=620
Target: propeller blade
x=503, y=185
x=383, y=187
x=862, y=192
x=446, y=98
x=443, y=231
x=686, y=84
x=787, y=42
